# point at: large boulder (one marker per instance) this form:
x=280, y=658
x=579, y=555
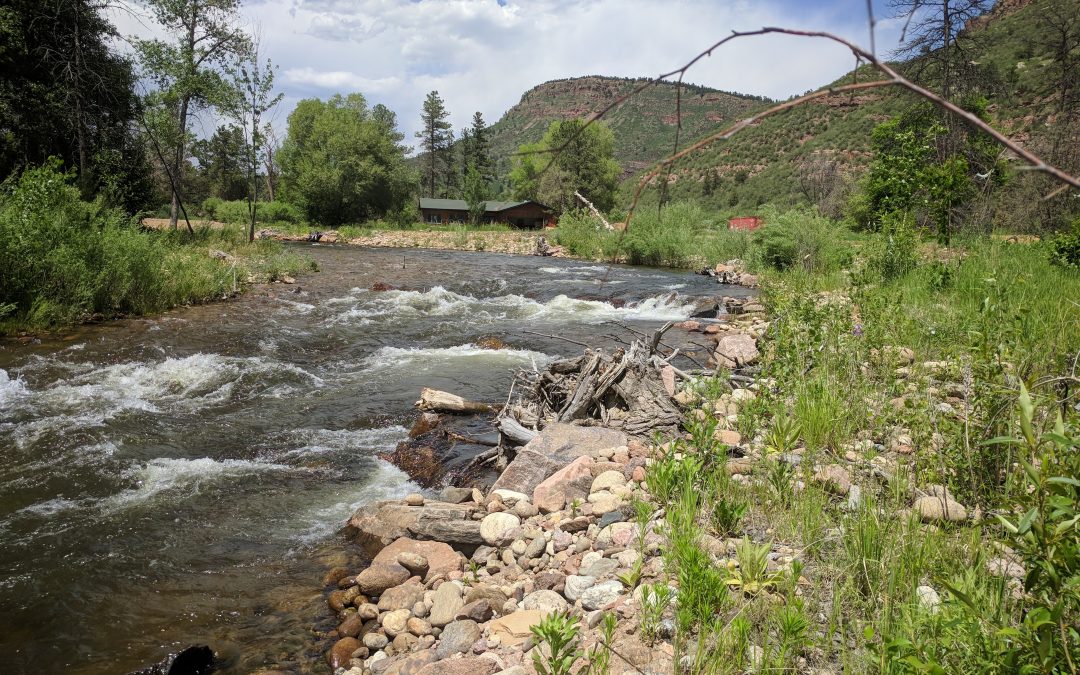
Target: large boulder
x=570, y=441
x=528, y=469
x=441, y=558
x=564, y=486
x=379, y=524
x=377, y=579
x=735, y=350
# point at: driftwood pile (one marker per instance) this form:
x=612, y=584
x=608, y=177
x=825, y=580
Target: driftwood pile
x=630, y=389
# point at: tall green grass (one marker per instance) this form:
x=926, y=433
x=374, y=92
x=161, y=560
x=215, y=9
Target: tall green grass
x=64, y=260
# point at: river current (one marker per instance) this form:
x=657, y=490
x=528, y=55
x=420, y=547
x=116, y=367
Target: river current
x=183, y=479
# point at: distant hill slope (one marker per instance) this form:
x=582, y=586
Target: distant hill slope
x=771, y=161
x=644, y=126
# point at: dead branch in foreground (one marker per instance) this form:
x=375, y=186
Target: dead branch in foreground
x=1035, y=163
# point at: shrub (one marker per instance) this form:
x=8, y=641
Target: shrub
x=802, y=238
x=64, y=259
x=1065, y=247
x=894, y=251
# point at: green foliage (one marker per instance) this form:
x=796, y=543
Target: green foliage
x=476, y=194
x=342, y=164
x=580, y=158
x=751, y=576
x=801, y=238
x=671, y=236
x=728, y=511
x=1048, y=539
x=65, y=259
x=1065, y=247
x=656, y=599
x=66, y=92
x=894, y=250
x=556, y=634
x=436, y=142
x=235, y=212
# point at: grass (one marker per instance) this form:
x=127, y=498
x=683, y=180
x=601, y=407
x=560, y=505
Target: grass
x=66, y=260
x=969, y=356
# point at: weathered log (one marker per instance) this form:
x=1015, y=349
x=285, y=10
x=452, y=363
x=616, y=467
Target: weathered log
x=512, y=429
x=441, y=401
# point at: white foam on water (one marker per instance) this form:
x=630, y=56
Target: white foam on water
x=176, y=478
x=436, y=358
x=10, y=389
x=92, y=396
x=321, y=442
x=440, y=302
x=581, y=270
x=385, y=482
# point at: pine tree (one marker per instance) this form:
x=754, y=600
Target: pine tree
x=480, y=147
x=435, y=137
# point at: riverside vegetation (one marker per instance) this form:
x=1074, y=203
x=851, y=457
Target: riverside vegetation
x=66, y=260
x=885, y=480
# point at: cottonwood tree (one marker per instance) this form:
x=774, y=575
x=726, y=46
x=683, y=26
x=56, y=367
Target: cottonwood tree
x=435, y=138
x=189, y=70
x=253, y=82
x=343, y=164
x=572, y=157
x=930, y=34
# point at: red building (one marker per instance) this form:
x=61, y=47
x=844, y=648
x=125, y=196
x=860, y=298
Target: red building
x=745, y=223
x=525, y=215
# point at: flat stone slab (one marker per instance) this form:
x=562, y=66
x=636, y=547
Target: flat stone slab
x=381, y=523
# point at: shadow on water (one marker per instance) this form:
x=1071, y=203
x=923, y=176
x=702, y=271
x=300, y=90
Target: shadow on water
x=181, y=480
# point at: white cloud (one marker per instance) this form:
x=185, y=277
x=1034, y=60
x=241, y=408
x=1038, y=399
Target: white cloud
x=482, y=55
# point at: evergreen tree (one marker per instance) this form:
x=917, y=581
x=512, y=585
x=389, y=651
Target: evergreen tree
x=64, y=92
x=221, y=162
x=435, y=138
x=481, y=147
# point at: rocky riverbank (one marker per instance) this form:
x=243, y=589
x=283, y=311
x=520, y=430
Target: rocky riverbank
x=461, y=581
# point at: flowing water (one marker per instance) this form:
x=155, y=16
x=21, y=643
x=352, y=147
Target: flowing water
x=183, y=479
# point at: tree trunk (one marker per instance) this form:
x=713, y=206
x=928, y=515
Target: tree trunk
x=441, y=401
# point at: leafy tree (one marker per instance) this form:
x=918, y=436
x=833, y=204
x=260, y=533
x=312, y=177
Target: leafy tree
x=435, y=137
x=342, y=163
x=571, y=157
x=188, y=70
x=254, y=84
x=221, y=161
x=64, y=92
x=931, y=32
x=916, y=170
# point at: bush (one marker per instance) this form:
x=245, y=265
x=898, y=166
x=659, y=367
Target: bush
x=65, y=260
x=670, y=237
x=800, y=237
x=894, y=251
x=1065, y=247
x=236, y=211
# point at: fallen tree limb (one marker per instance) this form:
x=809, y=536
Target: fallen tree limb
x=441, y=401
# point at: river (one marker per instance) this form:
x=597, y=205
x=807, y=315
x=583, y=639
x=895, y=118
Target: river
x=183, y=478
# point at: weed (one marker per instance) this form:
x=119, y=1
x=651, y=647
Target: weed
x=557, y=634
x=751, y=575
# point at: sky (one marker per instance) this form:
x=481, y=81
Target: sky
x=482, y=55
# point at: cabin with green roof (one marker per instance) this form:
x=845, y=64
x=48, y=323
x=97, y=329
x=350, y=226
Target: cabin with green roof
x=525, y=215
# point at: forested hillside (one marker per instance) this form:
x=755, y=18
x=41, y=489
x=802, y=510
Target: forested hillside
x=1015, y=70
